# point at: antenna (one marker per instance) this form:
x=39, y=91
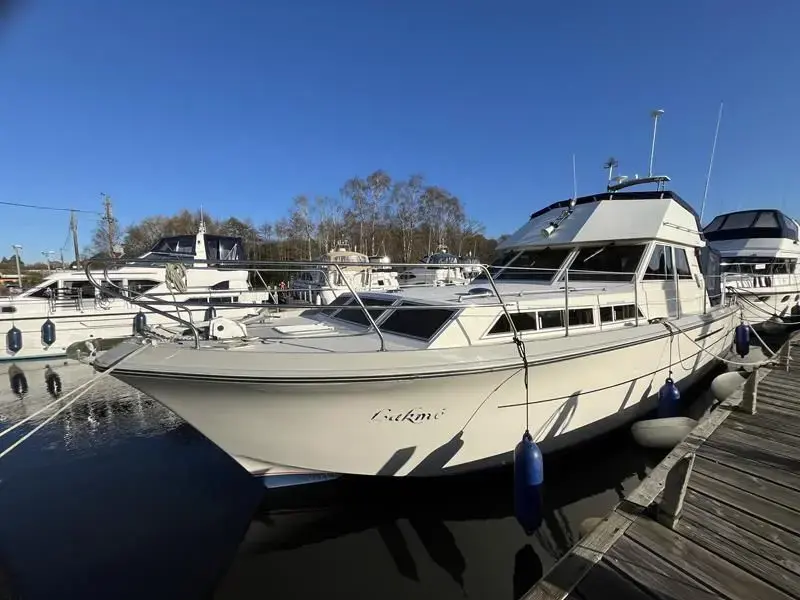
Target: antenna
x=655, y=114
x=574, y=178
x=611, y=164
x=711, y=163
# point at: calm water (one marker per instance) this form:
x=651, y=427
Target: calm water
x=117, y=498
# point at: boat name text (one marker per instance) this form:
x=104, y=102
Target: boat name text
x=414, y=415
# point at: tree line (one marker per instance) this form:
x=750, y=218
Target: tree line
x=405, y=219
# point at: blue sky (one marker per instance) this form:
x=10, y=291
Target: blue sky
x=240, y=105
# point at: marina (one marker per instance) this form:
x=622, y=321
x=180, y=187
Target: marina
x=403, y=301
x=718, y=517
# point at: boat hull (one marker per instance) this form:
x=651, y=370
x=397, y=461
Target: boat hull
x=74, y=327
x=438, y=423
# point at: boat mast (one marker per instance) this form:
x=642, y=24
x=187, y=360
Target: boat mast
x=711, y=163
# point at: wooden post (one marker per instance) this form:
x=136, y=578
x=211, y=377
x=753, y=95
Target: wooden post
x=669, y=509
x=784, y=355
x=749, y=393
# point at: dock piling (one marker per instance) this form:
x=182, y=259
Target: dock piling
x=669, y=510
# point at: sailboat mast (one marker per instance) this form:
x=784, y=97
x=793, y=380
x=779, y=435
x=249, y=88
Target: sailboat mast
x=711, y=163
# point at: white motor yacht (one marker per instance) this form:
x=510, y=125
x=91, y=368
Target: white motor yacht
x=760, y=252
x=590, y=306
x=440, y=268
x=339, y=271
x=66, y=308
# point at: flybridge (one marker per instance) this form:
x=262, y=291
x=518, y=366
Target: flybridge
x=750, y=224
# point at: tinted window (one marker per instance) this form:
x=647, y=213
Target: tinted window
x=356, y=315
x=581, y=316
x=739, y=220
x=682, y=264
x=420, y=323
x=715, y=224
x=606, y=263
x=766, y=219
x=660, y=265
x=551, y=318
x=532, y=265
x=45, y=292
x=222, y=285
x=606, y=314
x=522, y=321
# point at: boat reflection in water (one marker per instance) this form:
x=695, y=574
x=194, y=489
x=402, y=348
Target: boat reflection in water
x=444, y=537
x=103, y=414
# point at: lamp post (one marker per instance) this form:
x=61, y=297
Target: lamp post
x=17, y=248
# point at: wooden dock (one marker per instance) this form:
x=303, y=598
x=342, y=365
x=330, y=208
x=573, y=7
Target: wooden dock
x=719, y=517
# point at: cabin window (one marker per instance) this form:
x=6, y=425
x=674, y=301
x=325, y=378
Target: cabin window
x=222, y=285
x=606, y=263
x=740, y=220
x=621, y=312
x=763, y=298
x=338, y=301
x=522, y=321
x=766, y=219
x=356, y=315
x=106, y=286
x=8, y=309
x=797, y=298
x=421, y=324
x=581, y=316
x=550, y=319
x=660, y=266
x=78, y=289
x=531, y=265
x=141, y=286
x=682, y=264
x=785, y=298
x=45, y=292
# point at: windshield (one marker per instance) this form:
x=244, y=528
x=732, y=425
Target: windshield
x=606, y=263
x=529, y=265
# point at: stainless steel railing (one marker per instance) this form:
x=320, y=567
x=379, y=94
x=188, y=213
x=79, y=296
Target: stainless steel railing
x=155, y=302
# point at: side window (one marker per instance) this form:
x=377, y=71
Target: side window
x=682, y=264
x=660, y=266
x=141, y=286
x=45, y=292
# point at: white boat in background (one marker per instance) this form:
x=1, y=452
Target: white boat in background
x=589, y=307
x=339, y=271
x=66, y=308
x=759, y=256
x=441, y=268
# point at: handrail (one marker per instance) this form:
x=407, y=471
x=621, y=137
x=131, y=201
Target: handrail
x=328, y=268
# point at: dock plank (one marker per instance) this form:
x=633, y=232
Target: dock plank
x=753, y=484
x=769, y=418
x=760, y=428
x=759, y=468
x=687, y=555
x=652, y=572
x=738, y=536
x=734, y=545
x=787, y=385
x=740, y=438
x=759, y=528
x=744, y=501
x=781, y=377
x=778, y=399
x=603, y=582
